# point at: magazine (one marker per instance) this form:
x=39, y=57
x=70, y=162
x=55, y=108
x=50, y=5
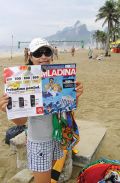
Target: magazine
x=40, y=89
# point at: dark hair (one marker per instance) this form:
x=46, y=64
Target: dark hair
x=51, y=79
x=29, y=62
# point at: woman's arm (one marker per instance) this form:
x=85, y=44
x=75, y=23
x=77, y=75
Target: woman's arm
x=3, y=102
x=20, y=121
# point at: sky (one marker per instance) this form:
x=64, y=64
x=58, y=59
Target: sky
x=23, y=20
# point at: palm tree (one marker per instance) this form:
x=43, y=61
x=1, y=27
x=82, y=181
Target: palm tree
x=103, y=39
x=118, y=7
x=115, y=34
x=100, y=38
x=96, y=37
x=118, y=19
x=108, y=13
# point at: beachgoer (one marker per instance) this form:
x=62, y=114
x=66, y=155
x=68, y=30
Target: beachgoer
x=100, y=57
x=73, y=51
x=90, y=53
x=42, y=150
x=56, y=52
x=26, y=55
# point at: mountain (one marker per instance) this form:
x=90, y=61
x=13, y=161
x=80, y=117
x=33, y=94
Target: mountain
x=77, y=32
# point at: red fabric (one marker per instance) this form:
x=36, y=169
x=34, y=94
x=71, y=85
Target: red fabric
x=94, y=173
x=113, y=168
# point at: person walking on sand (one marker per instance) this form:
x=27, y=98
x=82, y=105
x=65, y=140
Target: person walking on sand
x=73, y=51
x=42, y=150
x=56, y=52
x=26, y=55
x=90, y=53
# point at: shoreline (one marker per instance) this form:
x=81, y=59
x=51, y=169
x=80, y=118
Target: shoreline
x=8, y=54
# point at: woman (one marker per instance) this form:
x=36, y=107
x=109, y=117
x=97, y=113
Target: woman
x=42, y=150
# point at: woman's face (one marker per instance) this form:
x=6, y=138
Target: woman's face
x=40, y=61
x=42, y=56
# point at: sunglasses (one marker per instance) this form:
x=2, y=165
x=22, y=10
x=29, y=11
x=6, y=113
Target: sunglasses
x=44, y=50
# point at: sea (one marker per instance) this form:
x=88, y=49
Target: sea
x=15, y=50
x=11, y=50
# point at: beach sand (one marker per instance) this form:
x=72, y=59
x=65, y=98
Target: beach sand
x=100, y=102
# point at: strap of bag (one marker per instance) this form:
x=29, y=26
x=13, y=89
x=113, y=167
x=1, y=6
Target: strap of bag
x=57, y=128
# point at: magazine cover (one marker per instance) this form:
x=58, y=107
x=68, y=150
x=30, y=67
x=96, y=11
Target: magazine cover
x=40, y=89
x=58, y=87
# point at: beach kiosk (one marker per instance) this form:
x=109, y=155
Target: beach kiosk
x=115, y=46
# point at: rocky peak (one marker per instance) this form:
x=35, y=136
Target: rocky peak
x=77, y=24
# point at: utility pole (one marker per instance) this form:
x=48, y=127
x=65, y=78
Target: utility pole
x=12, y=47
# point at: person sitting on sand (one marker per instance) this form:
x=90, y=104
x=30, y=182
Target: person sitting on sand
x=100, y=57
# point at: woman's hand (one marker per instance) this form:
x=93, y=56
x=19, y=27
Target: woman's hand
x=79, y=90
x=4, y=102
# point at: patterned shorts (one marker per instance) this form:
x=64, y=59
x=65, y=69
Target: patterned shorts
x=41, y=154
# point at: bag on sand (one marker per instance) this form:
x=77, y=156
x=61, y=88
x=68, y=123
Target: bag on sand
x=13, y=131
x=100, y=171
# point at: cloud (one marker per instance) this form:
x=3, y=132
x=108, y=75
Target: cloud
x=30, y=18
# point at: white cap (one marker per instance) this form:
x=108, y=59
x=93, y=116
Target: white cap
x=38, y=43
